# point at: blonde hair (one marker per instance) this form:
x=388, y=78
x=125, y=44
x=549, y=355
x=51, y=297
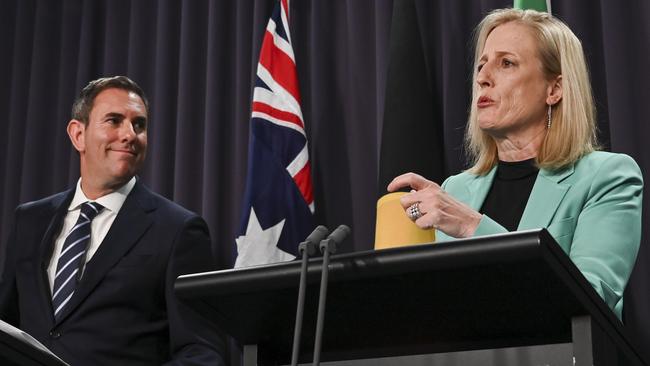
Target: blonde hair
x=573, y=130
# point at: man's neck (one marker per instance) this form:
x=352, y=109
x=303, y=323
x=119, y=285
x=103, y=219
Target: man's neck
x=95, y=191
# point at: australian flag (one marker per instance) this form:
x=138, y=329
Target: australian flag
x=278, y=202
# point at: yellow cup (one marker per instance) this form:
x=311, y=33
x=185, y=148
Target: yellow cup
x=394, y=228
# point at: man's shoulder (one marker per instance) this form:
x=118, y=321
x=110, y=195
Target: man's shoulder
x=49, y=202
x=166, y=207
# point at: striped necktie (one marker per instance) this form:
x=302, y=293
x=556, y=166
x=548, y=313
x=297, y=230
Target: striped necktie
x=72, y=258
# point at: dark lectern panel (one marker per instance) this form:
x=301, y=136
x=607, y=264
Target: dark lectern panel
x=481, y=293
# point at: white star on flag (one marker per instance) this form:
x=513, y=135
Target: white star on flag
x=258, y=245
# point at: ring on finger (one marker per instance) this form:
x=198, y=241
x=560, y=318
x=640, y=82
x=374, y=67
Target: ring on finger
x=413, y=212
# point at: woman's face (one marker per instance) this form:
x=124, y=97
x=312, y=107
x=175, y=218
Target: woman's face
x=511, y=86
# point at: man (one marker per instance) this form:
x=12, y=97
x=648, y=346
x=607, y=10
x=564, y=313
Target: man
x=89, y=272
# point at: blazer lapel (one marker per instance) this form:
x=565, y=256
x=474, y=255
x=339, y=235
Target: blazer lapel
x=60, y=208
x=545, y=198
x=131, y=223
x=478, y=189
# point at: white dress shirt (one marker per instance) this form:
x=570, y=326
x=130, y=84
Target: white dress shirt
x=112, y=203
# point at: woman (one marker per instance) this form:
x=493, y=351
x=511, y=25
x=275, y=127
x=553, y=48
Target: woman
x=532, y=138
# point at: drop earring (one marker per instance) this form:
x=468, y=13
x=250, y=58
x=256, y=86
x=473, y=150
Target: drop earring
x=548, y=118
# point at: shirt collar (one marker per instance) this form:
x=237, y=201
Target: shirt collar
x=112, y=201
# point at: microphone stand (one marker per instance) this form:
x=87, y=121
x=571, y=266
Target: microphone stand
x=327, y=247
x=306, y=249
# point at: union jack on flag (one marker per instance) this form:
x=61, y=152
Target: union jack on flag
x=278, y=201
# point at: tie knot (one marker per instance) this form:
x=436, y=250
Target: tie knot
x=91, y=209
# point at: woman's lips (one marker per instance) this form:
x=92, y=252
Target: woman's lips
x=484, y=102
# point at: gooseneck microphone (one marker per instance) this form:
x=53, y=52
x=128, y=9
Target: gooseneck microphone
x=306, y=248
x=314, y=239
x=327, y=247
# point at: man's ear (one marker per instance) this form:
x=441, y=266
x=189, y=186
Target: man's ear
x=76, y=131
x=554, y=94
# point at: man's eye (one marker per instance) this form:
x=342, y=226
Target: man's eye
x=507, y=63
x=139, y=125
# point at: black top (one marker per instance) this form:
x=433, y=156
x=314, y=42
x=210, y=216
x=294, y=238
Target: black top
x=506, y=200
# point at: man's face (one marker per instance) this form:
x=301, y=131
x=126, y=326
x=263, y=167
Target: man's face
x=113, y=145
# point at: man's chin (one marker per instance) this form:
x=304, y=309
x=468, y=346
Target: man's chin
x=124, y=175
x=120, y=181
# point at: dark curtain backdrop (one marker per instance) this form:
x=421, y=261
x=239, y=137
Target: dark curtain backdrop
x=196, y=59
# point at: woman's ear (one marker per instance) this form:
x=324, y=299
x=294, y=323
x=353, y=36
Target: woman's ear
x=76, y=131
x=554, y=94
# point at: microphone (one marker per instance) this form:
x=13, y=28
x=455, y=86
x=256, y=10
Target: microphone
x=313, y=239
x=306, y=248
x=336, y=237
x=327, y=246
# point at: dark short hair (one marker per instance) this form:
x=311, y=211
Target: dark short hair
x=84, y=102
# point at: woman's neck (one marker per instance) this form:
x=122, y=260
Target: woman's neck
x=518, y=147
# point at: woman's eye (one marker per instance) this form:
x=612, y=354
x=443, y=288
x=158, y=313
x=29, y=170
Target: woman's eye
x=507, y=63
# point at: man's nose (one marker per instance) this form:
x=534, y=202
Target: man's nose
x=127, y=131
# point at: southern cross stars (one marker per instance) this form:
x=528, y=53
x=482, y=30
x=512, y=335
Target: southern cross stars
x=258, y=245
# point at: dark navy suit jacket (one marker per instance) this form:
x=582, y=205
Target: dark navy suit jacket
x=123, y=311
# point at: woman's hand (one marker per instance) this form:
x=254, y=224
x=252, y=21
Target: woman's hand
x=437, y=208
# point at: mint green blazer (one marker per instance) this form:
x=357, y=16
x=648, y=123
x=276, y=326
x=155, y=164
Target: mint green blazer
x=592, y=209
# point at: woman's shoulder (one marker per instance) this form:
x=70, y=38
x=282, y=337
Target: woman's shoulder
x=601, y=168
x=603, y=160
x=461, y=179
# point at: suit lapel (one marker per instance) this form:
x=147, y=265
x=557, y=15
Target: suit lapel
x=545, y=198
x=60, y=207
x=131, y=223
x=478, y=189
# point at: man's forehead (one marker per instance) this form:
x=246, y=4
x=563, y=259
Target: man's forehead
x=115, y=100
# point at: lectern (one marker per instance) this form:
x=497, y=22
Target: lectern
x=511, y=290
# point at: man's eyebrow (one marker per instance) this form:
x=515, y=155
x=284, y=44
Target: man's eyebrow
x=114, y=114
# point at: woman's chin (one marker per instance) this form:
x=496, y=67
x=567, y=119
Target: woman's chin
x=488, y=126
